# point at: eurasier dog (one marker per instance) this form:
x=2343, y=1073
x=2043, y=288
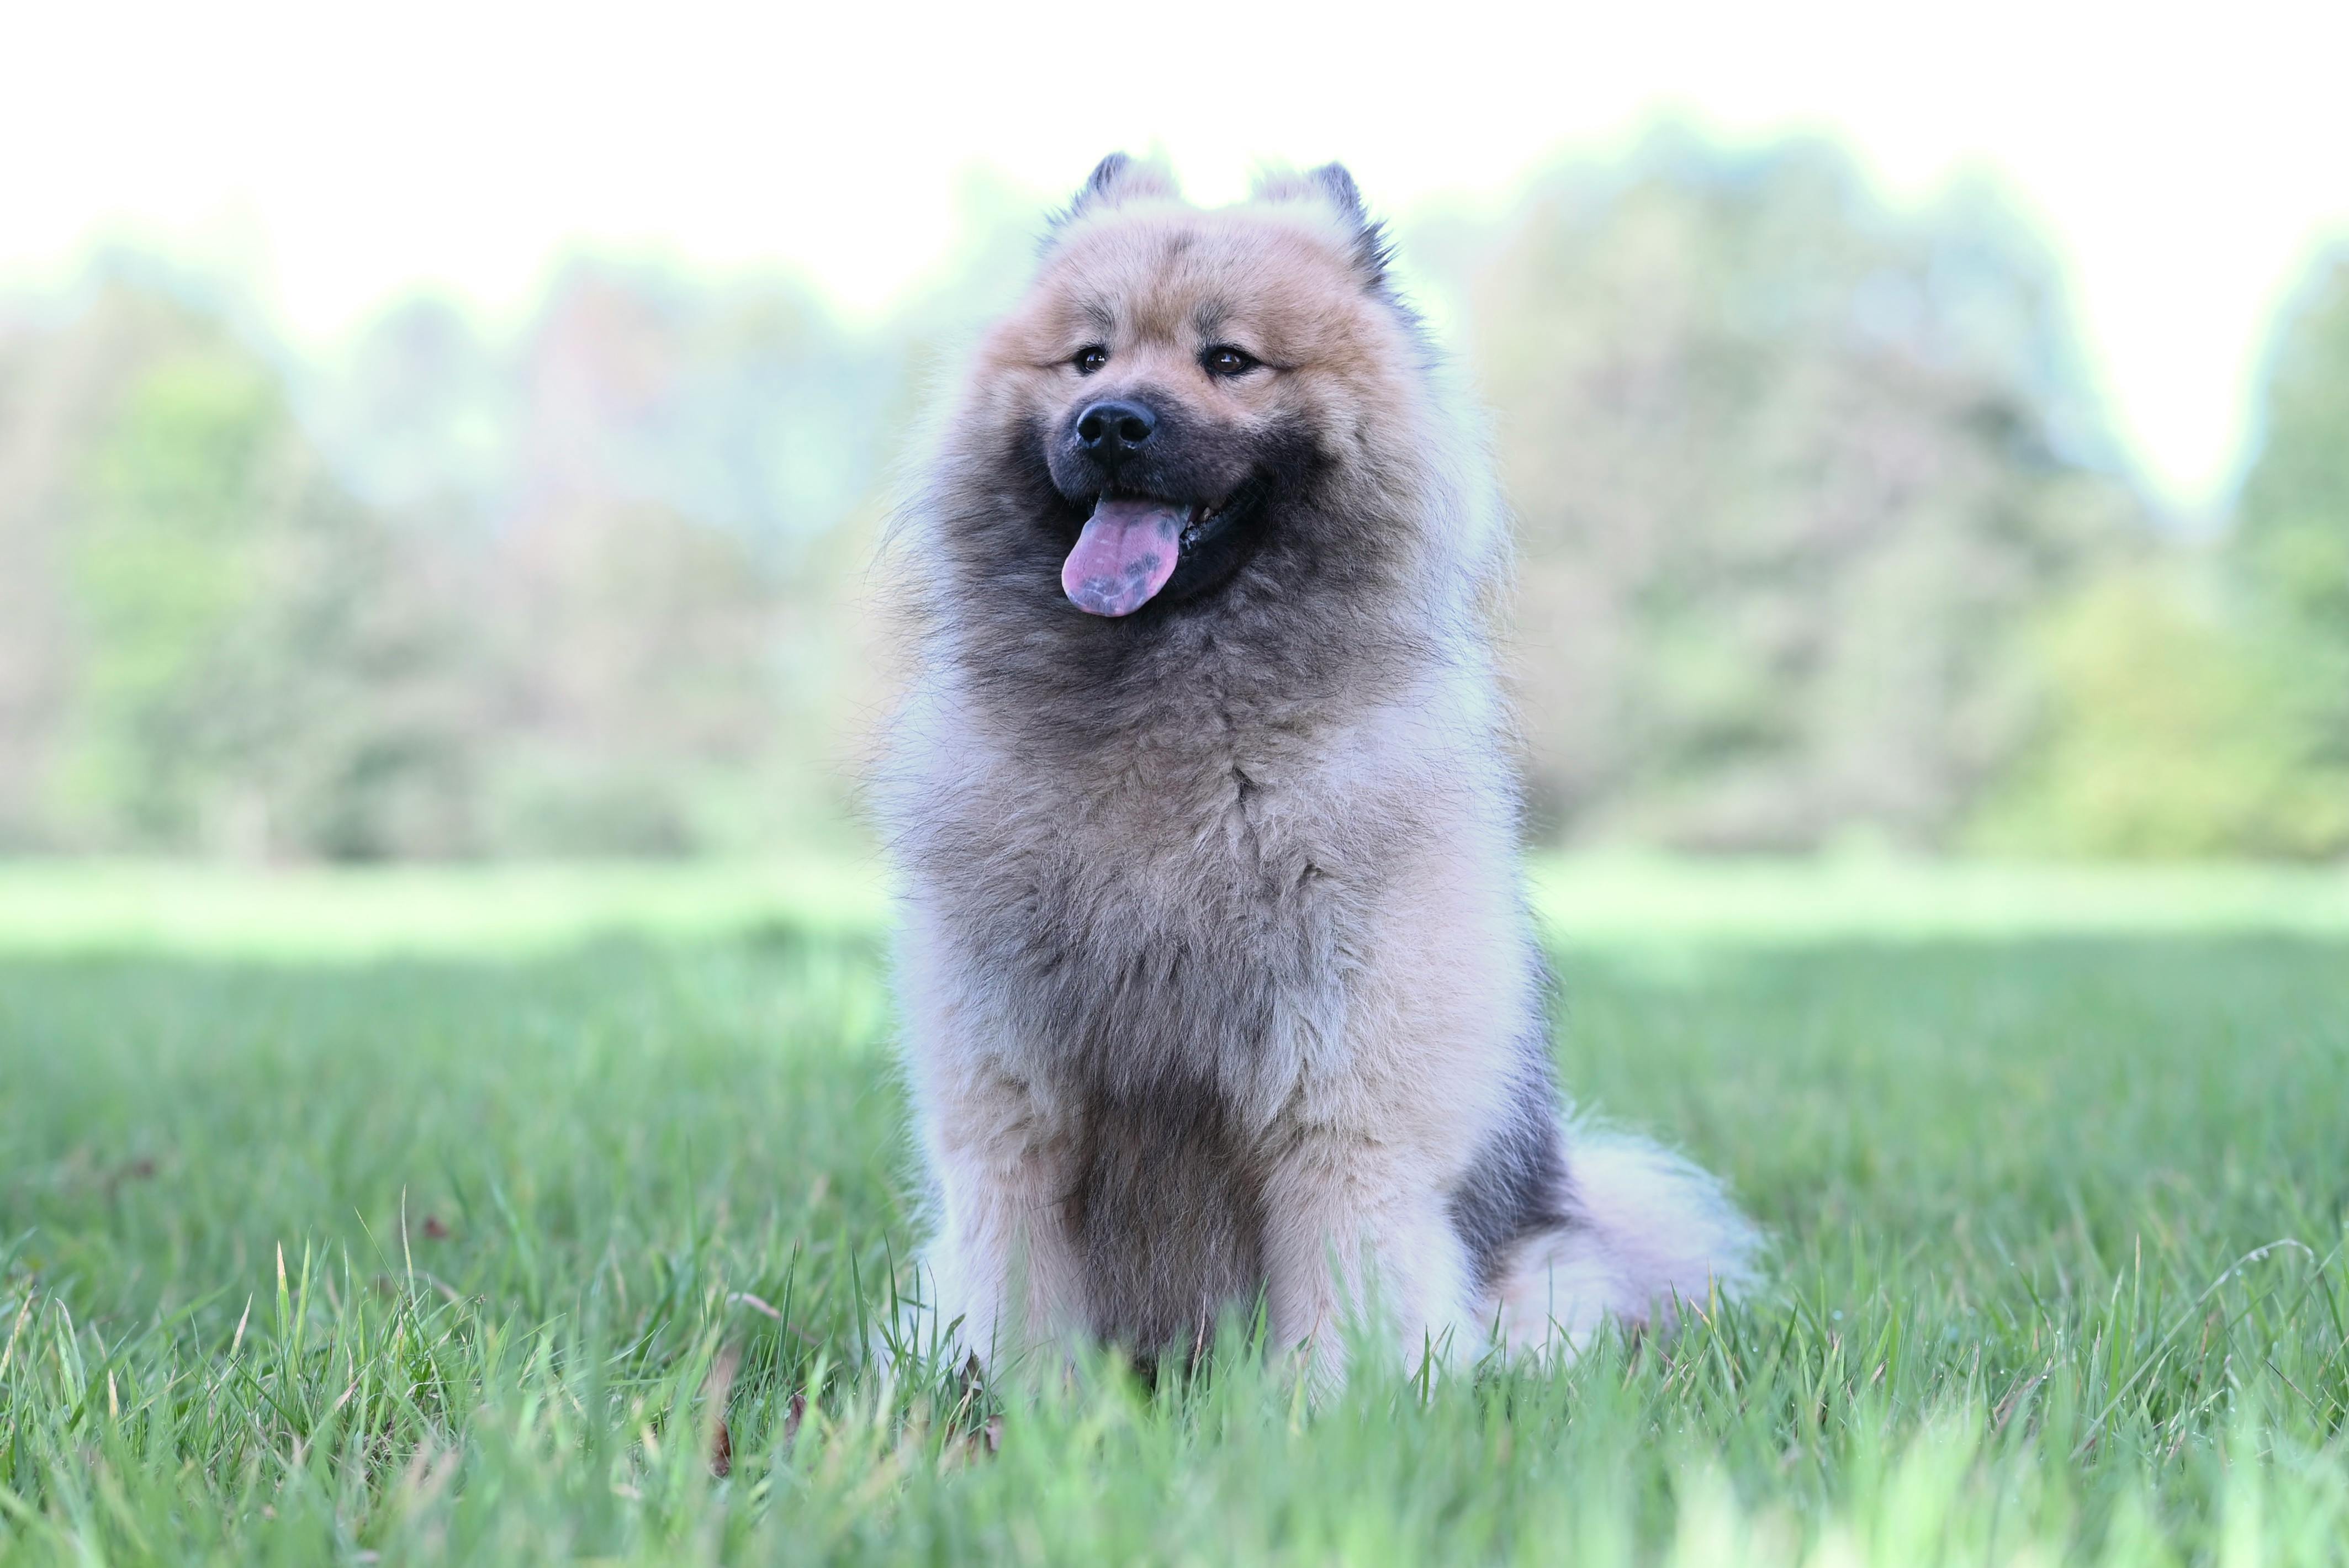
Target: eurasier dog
x=1219, y=990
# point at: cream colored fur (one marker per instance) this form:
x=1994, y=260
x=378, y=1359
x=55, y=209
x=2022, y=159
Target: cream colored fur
x=1238, y=892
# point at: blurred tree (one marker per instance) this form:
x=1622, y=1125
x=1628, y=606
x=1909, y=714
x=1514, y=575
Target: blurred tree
x=2198, y=704
x=684, y=458
x=741, y=404
x=1821, y=538
x=418, y=414
x=2165, y=734
x=592, y=606
x=43, y=394
x=1795, y=475
x=167, y=560
x=2292, y=523
x=251, y=651
x=638, y=692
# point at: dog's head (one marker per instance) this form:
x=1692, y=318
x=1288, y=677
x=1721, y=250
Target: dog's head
x=1182, y=392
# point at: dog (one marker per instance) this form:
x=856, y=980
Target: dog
x=1218, y=988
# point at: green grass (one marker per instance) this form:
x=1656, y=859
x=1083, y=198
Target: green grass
x=560, y=1163
x=1608, y=901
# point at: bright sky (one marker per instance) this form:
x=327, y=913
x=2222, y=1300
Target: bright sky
x=2185, y=160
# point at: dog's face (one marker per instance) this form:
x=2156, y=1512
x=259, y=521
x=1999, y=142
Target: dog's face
x=1186, y=392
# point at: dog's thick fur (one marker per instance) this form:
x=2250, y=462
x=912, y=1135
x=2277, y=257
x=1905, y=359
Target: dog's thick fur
x=1215, y=975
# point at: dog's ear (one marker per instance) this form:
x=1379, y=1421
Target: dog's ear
x=1117, y=179
x=1331, y=186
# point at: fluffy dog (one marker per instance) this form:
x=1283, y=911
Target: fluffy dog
x=1217, y=983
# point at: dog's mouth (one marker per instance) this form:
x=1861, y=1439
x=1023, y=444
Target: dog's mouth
x=1136, y=547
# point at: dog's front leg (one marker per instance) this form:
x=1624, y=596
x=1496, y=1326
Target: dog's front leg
x=1002, y=1271
x=1358, y=1239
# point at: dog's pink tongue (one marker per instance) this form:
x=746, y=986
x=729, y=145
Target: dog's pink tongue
x=1125, y=554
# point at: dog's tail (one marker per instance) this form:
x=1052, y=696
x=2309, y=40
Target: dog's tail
x=1647, y=1237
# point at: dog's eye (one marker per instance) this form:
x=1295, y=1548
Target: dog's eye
x=1090, y=359
x=1223, y=359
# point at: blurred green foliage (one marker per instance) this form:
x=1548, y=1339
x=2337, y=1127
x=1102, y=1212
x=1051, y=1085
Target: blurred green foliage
x=2198, y=704
x=1795, y=475
x=1825, y=541
x=2170, y=731
x=164, y=569
x=2293, y=536
x=249, y=640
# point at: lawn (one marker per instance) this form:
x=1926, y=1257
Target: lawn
x=444, y=1216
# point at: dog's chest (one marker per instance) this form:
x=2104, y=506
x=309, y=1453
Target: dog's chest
x=1176, y=918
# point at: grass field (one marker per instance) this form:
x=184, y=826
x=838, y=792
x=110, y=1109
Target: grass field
x=429, y=1217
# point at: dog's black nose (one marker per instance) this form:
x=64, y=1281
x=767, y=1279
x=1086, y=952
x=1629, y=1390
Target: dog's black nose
x=1114, y=431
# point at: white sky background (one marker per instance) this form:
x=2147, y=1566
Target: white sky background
x=2185, y=161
